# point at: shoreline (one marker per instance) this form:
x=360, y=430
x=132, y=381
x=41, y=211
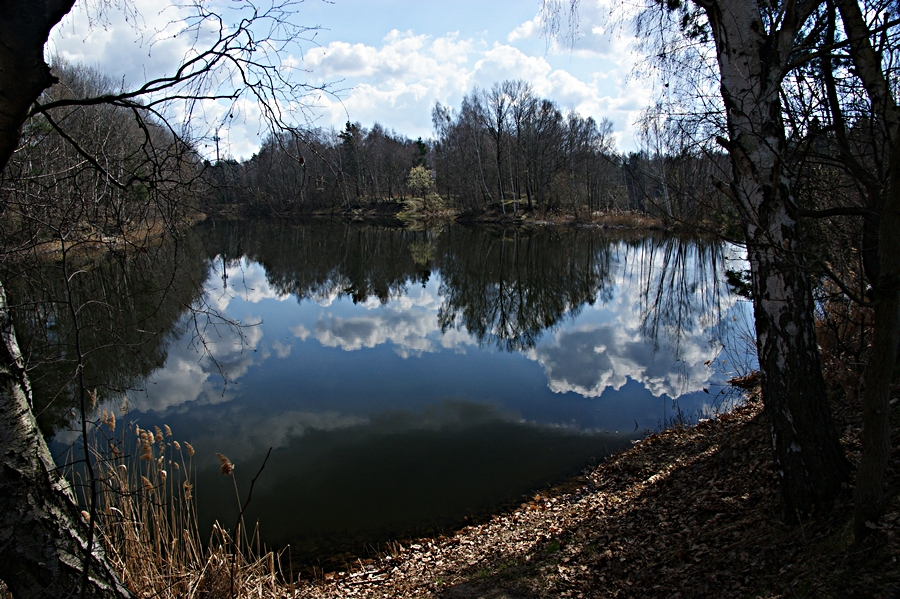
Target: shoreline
x=686, y=512
x=407, y=214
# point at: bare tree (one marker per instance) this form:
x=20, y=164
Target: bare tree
x=754, y=45
x=46, y=549
x=883, y=219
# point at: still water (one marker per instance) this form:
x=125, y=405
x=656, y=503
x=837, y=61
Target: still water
x=407, y=381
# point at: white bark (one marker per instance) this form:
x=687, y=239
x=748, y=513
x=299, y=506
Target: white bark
x=753, y=59
x=43, y=539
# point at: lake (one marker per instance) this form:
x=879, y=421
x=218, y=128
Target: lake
x=407, y=382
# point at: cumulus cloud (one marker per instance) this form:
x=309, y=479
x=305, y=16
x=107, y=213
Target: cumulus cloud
x=602, y=30
x=527, y=30
x=508, y=62
x=125, y=43
x=399, y=81
x=394, y=81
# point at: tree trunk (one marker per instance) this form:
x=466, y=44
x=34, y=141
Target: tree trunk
x=809, y=460
x=43, y=538
x=24, y=28
x=752, y=60
x=869, y=495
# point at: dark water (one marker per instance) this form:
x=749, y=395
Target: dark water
x=405, y=381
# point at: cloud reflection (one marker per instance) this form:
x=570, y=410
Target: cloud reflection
x=244, y=279
x=197, y=369
x=409, y=322
x=253, y=432
x=409, y=332
x=590, y=360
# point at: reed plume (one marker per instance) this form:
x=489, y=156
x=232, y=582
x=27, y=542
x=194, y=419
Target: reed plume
x=225, y=465
x=146, y=520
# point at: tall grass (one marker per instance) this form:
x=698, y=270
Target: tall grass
x=146, y=520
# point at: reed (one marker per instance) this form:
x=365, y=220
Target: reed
x=146, y=520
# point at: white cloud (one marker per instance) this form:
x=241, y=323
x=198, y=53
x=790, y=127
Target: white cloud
x=300, y=331
x=402, y=57
x=398, y=82
x=125, y=44
x=281, y=350
x=527, y=30
x=507, y=62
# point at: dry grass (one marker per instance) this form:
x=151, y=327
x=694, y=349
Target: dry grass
x=146, y=520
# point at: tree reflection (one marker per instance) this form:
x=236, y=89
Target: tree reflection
x=326, y=260
x=682, y=285
x=507, y=289
x=128, y=305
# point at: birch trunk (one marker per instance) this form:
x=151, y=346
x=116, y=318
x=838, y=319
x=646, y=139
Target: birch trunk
x=869, y=493
x=753, y=57
x=43, y=539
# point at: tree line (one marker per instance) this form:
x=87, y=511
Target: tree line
x=91, y=170
x=504, y=150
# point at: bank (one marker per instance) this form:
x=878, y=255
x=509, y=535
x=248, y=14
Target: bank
x=688, y=512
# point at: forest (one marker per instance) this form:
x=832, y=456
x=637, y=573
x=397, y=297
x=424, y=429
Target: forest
x=503, y=152
x=777, y=130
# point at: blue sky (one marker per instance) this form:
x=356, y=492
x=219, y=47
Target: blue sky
x=389, y=61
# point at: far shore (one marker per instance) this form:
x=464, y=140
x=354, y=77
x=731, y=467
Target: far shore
x=414, y=213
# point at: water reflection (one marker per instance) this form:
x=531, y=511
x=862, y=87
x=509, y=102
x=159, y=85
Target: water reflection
x=405, y=473
x=410, y=379
x=129, y=304
x=508, y=289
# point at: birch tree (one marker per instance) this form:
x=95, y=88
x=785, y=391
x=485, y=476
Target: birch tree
x=754, y=44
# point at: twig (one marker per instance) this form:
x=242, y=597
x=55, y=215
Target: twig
x=240, y=518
